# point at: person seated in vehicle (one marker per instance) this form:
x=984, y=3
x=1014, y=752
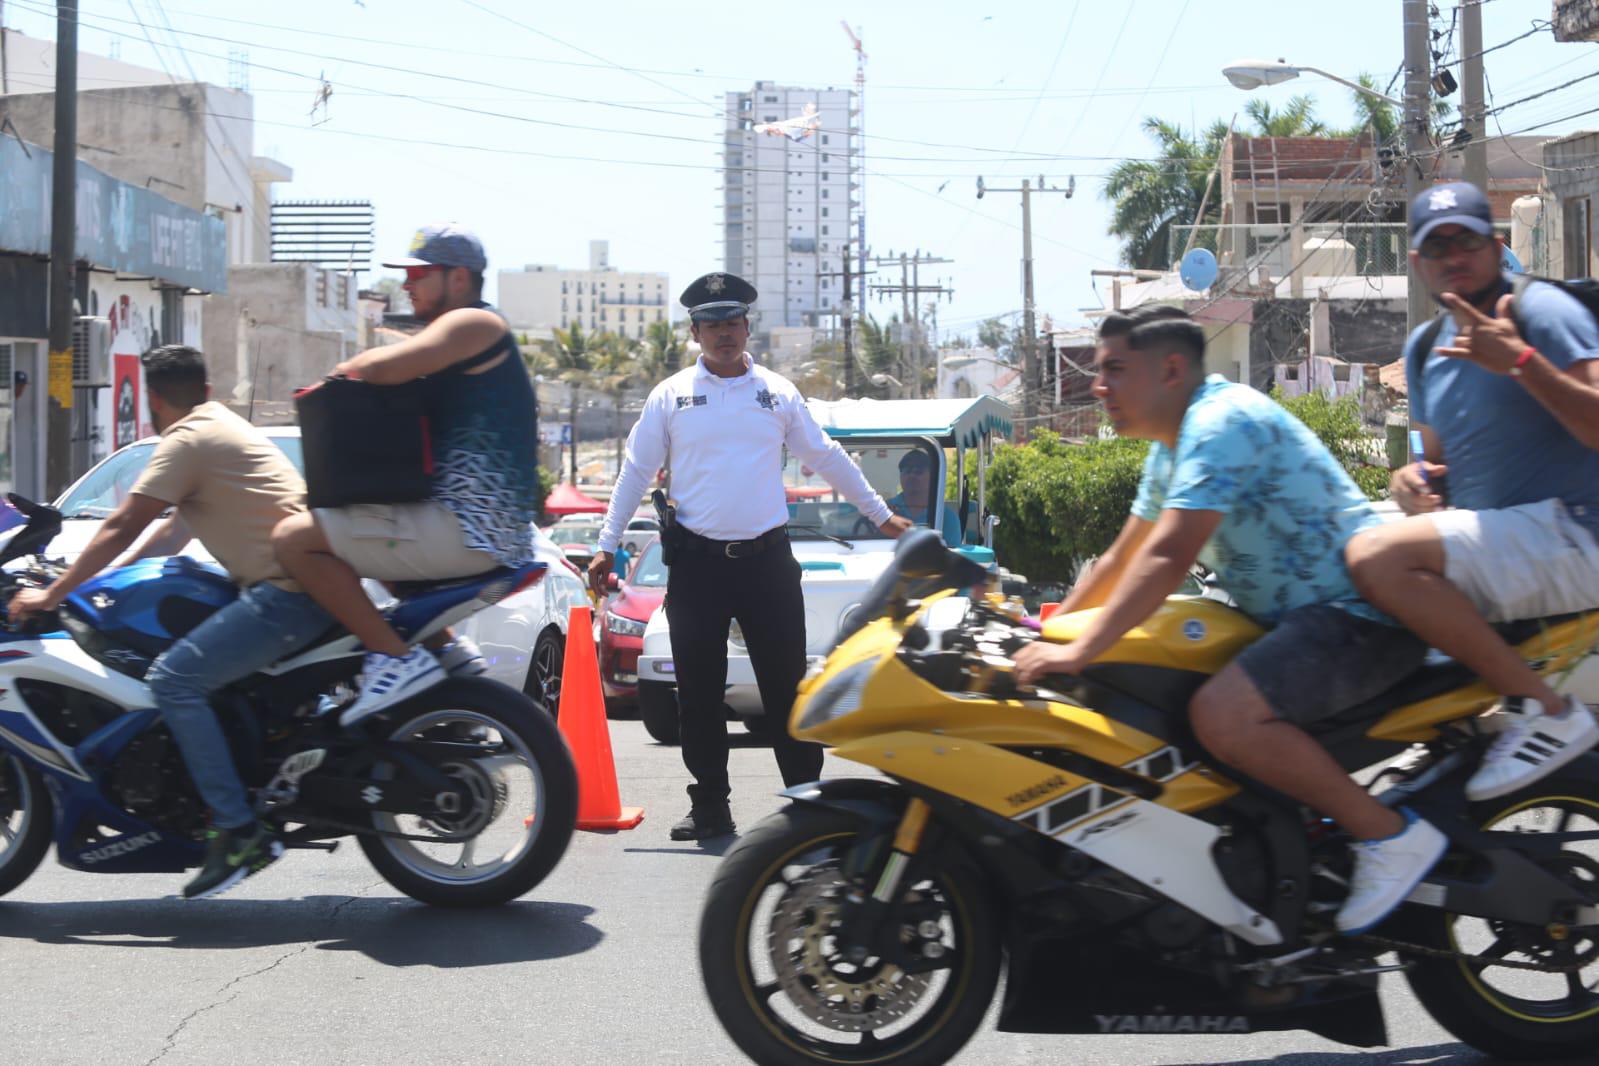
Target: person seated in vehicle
x=1236, y=482
x=1507, y=402
x=485, y=487
x=916, y=493
x=229, y=486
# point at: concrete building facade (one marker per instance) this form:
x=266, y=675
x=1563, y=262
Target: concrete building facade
x=601, y=299
x=789, y=199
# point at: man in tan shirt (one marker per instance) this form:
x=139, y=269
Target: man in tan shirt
x=227, y=484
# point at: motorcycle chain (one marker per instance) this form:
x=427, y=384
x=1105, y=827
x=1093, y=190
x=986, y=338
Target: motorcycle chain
x=1461, y=956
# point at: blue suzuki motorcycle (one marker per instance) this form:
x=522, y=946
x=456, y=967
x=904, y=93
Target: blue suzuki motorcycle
x=463, y=796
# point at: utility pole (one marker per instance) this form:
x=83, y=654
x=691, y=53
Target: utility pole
x=1418, y=99
x=1032, y=378
x=63, y=215
x=910, y=290
x=1471, y=94
x=846, y=314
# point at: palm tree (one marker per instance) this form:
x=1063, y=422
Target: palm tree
x=879, y=354
x=1150, y=197
x=1375, y=114
x=568, y=357
x=616, y=371
x=1298, y=119
x=663, y=352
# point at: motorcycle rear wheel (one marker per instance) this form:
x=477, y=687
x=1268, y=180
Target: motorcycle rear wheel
x=1519, y=1015
x=524, y=787
x=26, y=819
x=772, y=904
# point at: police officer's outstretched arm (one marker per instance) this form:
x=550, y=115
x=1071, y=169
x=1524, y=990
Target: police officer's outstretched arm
x=645, y=454
x=822, y=453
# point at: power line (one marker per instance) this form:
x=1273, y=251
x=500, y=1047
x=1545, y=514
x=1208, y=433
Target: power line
x=1154, y=73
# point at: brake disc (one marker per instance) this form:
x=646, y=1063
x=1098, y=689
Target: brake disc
x=818, y=980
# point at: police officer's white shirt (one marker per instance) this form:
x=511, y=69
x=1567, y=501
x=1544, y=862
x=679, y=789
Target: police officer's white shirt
x=723, y=439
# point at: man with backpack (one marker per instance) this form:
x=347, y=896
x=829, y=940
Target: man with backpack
x=1504, y=504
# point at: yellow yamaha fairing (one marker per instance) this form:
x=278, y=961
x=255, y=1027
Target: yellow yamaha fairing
x=871, y=707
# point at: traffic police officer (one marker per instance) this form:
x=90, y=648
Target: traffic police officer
x=721, y=426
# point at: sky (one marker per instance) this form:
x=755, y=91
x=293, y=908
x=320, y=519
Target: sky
x=543, y=126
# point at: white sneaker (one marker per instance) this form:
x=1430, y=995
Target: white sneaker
x=462, y=657
x=1388, y=870
x=386, y=680
x=1533, y=745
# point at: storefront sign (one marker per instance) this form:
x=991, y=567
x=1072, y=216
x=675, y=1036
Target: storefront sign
x=120, y=227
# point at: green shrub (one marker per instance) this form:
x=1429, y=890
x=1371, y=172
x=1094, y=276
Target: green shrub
x=1060, y=504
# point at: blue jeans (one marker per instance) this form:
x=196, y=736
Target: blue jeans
x=262, y=626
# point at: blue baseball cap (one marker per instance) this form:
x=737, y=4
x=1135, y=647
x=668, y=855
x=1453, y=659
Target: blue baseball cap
x=446, y=244
x=1458, y=203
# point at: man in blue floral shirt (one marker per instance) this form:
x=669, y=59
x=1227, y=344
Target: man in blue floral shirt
x=1236, y=482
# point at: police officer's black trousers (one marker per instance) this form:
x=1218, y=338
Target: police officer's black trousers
x=704, y=593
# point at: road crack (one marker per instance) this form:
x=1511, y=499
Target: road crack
x=217, y=999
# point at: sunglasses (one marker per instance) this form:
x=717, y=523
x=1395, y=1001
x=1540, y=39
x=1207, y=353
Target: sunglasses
x=417, y=273
x=1439, y=247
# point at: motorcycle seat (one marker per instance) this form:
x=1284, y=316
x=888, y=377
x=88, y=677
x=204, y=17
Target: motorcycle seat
x=1433, y=678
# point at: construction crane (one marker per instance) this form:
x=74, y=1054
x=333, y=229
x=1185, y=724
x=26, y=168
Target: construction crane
x=860, y=106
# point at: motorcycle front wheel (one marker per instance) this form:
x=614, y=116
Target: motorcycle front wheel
x=1513, y=1013
x=523, y=787
x=25, y=821
x=779, y=979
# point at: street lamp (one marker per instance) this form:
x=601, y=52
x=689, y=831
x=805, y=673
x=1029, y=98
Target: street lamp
x=1250, y=74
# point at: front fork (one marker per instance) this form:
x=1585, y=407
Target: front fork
x=862, y=930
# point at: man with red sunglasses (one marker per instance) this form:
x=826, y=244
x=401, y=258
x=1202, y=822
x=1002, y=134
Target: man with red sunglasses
x=484, y=418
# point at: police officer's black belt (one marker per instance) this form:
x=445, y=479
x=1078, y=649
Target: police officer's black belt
x=733, y=549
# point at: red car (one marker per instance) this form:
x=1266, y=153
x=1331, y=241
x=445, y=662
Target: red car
x=622, y=624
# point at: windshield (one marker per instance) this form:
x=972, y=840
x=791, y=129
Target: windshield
x=650, y=571
x=906, y=474
x=105, y=487
x=587, y=536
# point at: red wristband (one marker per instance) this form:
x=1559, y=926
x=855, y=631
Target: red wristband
x=1521, y=360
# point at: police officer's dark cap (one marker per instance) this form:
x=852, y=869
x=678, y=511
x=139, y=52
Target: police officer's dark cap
x=718, y=298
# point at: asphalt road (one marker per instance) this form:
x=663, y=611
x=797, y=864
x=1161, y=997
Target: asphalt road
x=318, y=961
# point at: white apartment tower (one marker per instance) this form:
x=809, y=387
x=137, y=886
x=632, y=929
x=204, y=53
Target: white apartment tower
x=789, y=199
x=602, y=299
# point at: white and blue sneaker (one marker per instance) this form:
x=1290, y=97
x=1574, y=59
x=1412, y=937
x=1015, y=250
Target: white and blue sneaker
x=1388, y=870
x=462, y=657
x=387, y=680
x=1534, y=744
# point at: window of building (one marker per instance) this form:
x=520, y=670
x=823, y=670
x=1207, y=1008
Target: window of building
x=563, y=288
x=563, y=303
x=824, y=194
x=824, y=175
x=824, y=212
x=770, y=118
x=824, y=157
x=768, y=99
x=580, y=305
x=1577, y=215
x=824, y=138
x=580, y=288
x=824, y=231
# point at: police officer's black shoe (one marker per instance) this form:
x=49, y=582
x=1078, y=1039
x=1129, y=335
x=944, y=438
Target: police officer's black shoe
x=704, y=822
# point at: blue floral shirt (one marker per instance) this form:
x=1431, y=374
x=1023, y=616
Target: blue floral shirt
x=1288, y=508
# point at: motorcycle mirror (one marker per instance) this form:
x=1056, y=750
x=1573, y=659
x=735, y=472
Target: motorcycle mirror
x=42, y=526
x=921, y=553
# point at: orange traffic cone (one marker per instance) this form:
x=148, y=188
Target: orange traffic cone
x=581, y=715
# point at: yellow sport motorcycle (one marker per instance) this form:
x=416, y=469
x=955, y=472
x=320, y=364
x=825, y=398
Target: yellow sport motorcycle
x=1076, y=835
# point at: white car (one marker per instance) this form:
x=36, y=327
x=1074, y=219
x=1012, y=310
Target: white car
x=523, y=637
x=840, y=551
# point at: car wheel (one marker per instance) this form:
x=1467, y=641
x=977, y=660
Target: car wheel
x=657, y=706
x=543, y=683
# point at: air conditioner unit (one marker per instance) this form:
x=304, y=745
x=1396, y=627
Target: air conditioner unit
x=91, y=352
